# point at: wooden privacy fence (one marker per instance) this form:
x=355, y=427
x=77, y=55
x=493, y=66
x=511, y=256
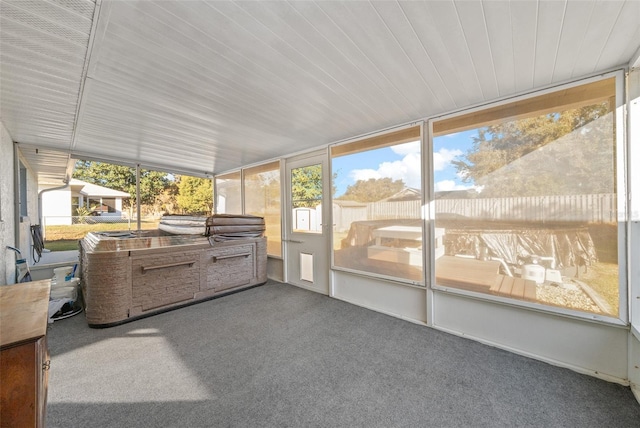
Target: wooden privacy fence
x=598, y=208
x=389, y=210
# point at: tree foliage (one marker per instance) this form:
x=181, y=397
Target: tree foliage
x=262, y=192
x=569, y=152
x=372, y=190
x=306, y=186
x=195, y=195
x=123, y=178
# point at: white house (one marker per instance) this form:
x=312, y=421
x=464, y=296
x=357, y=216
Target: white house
x=58, y=206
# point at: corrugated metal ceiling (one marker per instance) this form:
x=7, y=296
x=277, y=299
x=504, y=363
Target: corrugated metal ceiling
x=209, y=86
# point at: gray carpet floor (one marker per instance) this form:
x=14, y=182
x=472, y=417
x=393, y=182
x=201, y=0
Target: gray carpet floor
x=281, y=356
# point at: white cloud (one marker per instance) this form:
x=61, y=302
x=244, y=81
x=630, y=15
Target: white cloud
x=407, y=170
x=448, y=185
x=443, y=157
x=407, y=148
x=364, y=174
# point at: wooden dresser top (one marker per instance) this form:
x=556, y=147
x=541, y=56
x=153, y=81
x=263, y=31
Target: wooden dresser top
x=23, y=311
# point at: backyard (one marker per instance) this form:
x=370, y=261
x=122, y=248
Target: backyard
x=66, y=237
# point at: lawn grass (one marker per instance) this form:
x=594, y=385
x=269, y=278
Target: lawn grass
x=64, y=234
x=62, y=245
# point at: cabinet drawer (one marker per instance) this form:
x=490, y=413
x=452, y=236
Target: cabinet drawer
x=231, y=266
x=159, y=280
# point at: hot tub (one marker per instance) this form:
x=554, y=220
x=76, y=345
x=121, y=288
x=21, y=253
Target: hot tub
x=128, y=275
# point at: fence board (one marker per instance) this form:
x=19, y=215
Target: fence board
x=600, y=208
x=596, y=208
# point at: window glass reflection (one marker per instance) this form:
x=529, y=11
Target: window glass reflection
x=229, y=193
x=306, y=199
x=526, y=206
x=377, y=206
x=262, y=198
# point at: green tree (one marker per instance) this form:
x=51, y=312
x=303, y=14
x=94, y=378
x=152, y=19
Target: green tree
x=123, y=178
x=372, y=190
x=306, y=186
x=262, y=192
x=195, y=195
x=568, y=152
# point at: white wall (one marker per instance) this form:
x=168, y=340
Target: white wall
x=403, y=301
x=588, y=347
x=56, y=207
x=7, y=204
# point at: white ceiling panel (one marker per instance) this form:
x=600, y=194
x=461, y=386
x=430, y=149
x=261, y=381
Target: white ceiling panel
x=499, y=32
x=207, y=86
x=423, y=23
x=409, y=42
x=550, y=17
x=524, y=32
x=43, y=45
x=623, y=36
x=49, y=165
x=601, y=23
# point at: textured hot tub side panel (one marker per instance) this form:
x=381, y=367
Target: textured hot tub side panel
x=261, y=254
x=122, y=285
x=106, y=285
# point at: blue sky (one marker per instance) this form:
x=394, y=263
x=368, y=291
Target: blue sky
x=403, y=162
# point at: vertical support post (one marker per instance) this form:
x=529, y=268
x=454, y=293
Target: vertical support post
x=16, y=196
x=138, y=197
x=138, y=224
x=633, y=242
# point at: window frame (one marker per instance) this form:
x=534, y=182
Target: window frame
x=380, y=139
x=251, y=170
x=241, y=172
x=621, y=179
x=23, y=189
x=216, y=191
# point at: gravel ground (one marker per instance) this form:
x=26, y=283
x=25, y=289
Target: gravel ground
x=567, y=295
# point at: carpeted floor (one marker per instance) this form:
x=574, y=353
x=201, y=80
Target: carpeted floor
x=281, y=356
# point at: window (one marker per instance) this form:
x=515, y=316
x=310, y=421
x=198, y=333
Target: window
x=260, y=186
x=377, y=205
x=229, y=193
x=23, y=191
x=526, y=200
x=262, y=198
x=75, y=203
x=306, y=199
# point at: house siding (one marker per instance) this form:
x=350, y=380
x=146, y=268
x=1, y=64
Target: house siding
x=56, y=207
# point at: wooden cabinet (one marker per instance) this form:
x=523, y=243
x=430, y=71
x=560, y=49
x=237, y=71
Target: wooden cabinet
x=23, y=352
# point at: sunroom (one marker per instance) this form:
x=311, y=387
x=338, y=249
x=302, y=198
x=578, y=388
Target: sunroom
x=466, y=166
